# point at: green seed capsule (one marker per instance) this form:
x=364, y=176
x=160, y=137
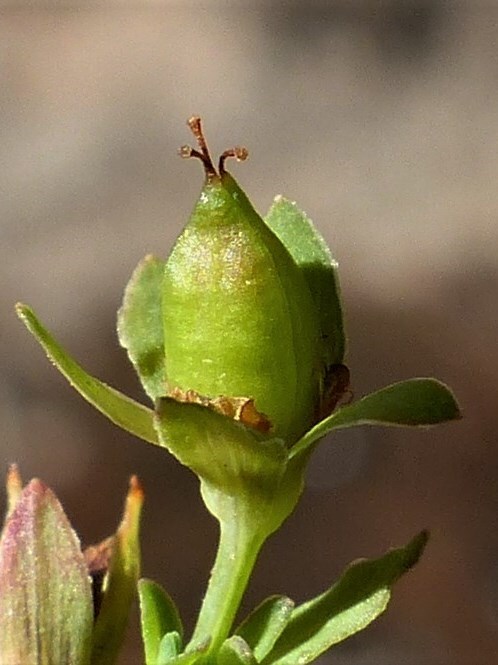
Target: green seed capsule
x=239, y=319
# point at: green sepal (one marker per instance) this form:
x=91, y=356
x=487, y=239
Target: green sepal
x=120, y=582
x=309, y=250
x=235, y=651
x=120, y=409
x=413, y=403
x=265, y=624
x=361, y=594
x=46, y=604
x=232, y=461
x=158, y=615
x=140, y=325
x=169, y=648
x=237, y=466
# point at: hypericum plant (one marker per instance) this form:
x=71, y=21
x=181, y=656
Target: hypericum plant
x=238, y=341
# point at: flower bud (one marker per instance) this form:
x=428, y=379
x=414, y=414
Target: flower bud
x=239, y=319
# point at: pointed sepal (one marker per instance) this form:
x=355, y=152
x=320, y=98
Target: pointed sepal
x=140, y=325
x=232, y=460
x=309, y=250
x=46, y=611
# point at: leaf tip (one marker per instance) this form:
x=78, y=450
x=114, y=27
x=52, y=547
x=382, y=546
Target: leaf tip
x=14, y=480
x=13, y=486
x=133, y=507
x=416, y=547
x=135, y=489
x=22, y=310
x=26, y=315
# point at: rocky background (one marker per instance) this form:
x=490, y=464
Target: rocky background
x=380, y=119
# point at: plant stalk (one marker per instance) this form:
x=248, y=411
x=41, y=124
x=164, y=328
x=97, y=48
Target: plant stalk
x=238, y=549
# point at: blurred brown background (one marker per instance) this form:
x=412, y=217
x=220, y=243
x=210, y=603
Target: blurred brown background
x=380, y=119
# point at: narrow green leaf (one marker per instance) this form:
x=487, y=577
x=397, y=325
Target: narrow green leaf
x=230, y=458
x=46, y=609
x=361, y=594
x=140, y=325
x=169, y=648
x=412, y=403
x=120, y=409
x=264, y=625
x=309, y=250
x=158, y=615
x=120, y=582
x=235, y=651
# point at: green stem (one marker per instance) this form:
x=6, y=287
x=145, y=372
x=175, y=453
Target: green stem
x=238, y=549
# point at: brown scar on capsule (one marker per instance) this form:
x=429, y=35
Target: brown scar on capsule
x=241, y=409
x=250, y=416
x=238, y=152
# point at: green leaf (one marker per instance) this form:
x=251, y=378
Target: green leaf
x=235, y=651
x=169, y=648
x=120, y=581
x=412, y=403
x=159, y=615
x=361, y=594
x=264, y=625
x=46, y=607
x=231, y=460
x=309, y=250
x=120, y=409
x=196, y=655
x=140, y=325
